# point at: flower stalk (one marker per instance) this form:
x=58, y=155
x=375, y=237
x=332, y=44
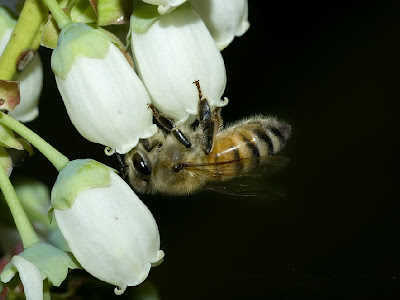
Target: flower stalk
x=25, y=229
x=25, y=36
x=59, y=15
x=58, y=160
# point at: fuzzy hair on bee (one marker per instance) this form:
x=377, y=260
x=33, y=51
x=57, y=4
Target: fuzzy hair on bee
x=164, y=165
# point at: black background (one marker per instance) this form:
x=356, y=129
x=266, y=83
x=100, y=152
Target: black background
x=332, y=71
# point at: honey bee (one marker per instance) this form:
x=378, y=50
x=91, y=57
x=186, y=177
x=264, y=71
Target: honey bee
x=183, y=162
x=162, y=165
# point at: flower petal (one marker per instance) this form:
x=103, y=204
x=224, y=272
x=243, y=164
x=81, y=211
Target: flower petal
x=30, y=277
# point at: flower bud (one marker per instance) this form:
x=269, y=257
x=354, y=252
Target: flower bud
x=171, y=54
x=225, y=19
x=104, y=98
x=109, y=230
x=30, y=78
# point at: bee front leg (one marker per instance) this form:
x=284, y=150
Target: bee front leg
x=169, y=125
x=209, y=119
x=122, y=166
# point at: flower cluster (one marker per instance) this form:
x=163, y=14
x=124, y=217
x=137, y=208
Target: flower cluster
x=98, y=222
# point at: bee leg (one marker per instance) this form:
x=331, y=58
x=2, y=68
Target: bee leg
x=122, y=166
x=209, y=119
x=170, y=126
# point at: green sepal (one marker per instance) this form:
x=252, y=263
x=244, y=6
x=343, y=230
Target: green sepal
x=143, y=16
x=9, y=94
x=83, y=12
x=113, y=12
x=77, y=39
x=8, y=140
x=52, y=263
x=50, y=34
x=7, y=20
x=78, y=175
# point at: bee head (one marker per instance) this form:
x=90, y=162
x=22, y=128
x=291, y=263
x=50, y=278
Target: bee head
x=139, y=170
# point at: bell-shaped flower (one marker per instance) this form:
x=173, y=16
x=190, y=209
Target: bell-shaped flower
x=31, y=83
x=165, y=6
x=171, y=53
x=30, y=78
x=109, y=230
x=104, y=98
x=225, y=19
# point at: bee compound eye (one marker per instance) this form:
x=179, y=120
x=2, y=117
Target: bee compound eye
x=140, y=165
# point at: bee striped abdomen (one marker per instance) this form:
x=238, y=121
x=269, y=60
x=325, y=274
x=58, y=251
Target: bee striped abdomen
x=242, y=145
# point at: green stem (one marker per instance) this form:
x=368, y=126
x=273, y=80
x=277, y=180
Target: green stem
x=30, y=23
x=59, y=15
x=46, y=290
x=53, y=155
x=25, y=229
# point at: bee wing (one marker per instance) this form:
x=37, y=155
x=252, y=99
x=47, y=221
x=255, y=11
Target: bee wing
x=252, y=184
x=253, y=190
x=242, y=184
x=224, y=170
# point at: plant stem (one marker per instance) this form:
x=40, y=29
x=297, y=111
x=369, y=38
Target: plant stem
x=59, y=15
x=58, y=160
x=25, y=229
x=30, y=23
x=46, y=290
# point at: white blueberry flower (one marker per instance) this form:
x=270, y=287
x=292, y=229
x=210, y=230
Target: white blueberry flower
x=225, y=19
x=31, y=78
x=172, y=52
x=31, y=82
x=104, y=98
x=165, y=6
x=109, y=230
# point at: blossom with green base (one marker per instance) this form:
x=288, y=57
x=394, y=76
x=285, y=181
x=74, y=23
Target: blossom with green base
x=109, y=230
x=171, y=52
x=104, y=98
